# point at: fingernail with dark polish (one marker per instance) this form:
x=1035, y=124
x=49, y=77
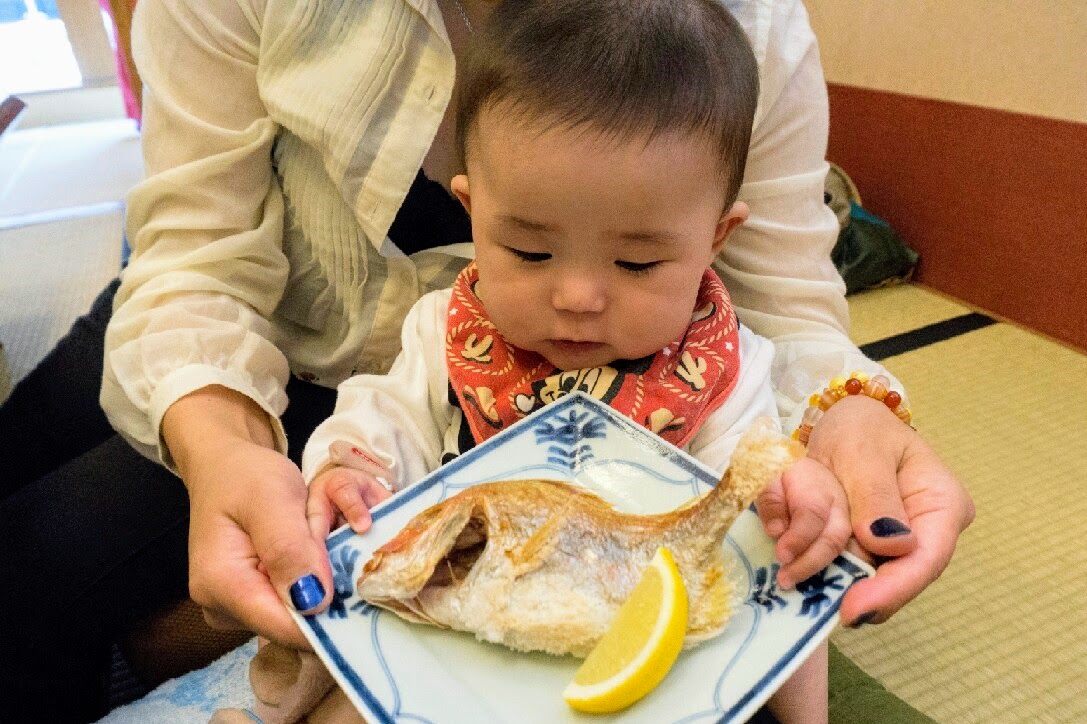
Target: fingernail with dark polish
x=888, y=528
x=863, y=619
x=307, y=592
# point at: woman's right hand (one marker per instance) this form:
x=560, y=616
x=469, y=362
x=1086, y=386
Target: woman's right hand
x=250, y=548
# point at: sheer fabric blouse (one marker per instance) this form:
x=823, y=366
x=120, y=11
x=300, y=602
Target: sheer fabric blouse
x=280, y=140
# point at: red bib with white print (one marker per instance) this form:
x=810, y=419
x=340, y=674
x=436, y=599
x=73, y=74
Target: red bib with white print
x=671, y=392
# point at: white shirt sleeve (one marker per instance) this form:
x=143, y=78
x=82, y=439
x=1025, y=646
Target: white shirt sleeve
x=777, y=265
x=401, y=417
x=206, y=226
x=751, y=399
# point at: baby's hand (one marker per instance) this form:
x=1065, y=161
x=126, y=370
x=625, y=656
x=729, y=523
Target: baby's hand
x=807, y=511
x=346, y=492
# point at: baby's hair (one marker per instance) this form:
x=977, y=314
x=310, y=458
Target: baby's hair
x=625, y=68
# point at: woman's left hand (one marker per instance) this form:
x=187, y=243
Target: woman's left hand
x=907, y=508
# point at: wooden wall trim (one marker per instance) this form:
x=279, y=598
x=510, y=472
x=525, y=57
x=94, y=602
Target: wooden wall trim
x=995, y=202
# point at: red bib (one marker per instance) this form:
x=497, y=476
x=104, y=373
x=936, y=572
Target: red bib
x=671, y=393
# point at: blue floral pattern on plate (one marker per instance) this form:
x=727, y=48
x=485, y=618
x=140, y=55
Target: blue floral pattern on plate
x=395, y=672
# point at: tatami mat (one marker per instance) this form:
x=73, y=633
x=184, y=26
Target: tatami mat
x=61, y=214
x=880, y=313
x=49, y=275
x=1002, y=636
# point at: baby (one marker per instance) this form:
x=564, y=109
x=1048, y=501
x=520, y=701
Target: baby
x=604, y=143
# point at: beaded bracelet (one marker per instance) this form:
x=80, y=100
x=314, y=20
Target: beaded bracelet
x=839, y=387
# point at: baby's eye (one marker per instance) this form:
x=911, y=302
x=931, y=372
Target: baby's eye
x=636, y=267
x=529, y=255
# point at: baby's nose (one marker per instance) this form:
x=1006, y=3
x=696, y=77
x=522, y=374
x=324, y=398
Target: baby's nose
x=582, y=293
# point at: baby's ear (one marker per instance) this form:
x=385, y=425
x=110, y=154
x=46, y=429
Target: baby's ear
x=730, y=219
x=459, y=186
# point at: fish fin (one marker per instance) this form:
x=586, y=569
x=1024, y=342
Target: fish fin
x=711, y=603
x=531, y=554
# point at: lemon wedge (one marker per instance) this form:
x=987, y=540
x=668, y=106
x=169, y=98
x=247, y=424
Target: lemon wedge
x=641, y=645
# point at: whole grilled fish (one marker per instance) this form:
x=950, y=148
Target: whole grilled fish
x=539, y=565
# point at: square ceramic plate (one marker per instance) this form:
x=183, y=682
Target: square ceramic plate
x=396, y=671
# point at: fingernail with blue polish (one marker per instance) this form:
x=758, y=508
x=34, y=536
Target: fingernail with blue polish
x=888, y=528
x=863, y=619
x=307, y=592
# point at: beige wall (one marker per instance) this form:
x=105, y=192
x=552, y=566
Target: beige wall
x=1028, y=56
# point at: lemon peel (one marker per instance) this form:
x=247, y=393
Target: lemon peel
x=640, y=646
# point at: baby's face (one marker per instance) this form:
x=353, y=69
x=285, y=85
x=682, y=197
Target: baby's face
x=591, y=249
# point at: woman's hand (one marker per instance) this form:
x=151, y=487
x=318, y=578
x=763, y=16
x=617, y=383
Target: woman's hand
x=906, y=506
x=250, y=548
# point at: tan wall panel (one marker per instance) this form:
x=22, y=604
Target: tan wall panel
x=1027, y=57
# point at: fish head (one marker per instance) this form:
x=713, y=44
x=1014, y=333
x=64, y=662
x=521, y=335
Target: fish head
x=436, y=549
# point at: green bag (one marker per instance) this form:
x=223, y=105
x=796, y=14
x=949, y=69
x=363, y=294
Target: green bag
x=868, y=253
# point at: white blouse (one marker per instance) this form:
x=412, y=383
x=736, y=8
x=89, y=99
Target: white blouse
x=280, y=137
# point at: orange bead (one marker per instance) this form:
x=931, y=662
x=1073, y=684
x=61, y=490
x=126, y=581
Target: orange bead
x=892, y=400
x=803, y=433
x=853, y=386
x=876, y=388
x=811, y=416
x=827, y=399
x=904, y=414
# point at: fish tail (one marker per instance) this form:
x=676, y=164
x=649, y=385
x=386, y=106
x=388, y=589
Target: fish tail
x=762, y=455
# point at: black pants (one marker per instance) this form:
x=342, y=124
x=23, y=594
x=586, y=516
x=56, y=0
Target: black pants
x=93, y=536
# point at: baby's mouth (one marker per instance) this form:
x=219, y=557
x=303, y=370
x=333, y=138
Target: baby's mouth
x=573, y=346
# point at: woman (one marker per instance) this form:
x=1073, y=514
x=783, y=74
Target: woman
x=296, y=204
